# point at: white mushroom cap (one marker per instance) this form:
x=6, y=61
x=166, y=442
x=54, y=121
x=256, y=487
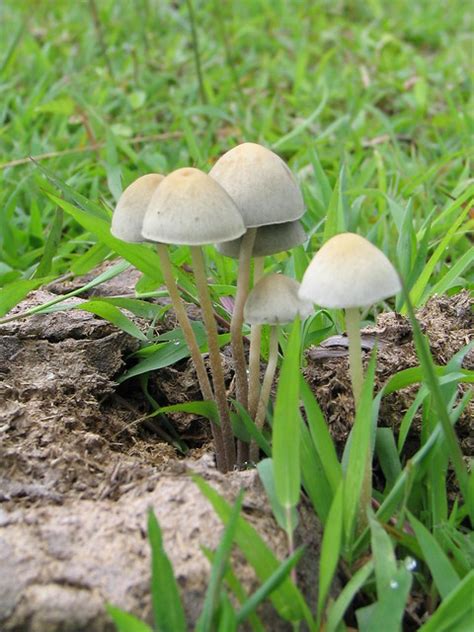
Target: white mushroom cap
x=269, y=240
x=127, y=219
x=274, y=301
x=347, y=272
x=190, y=208
x=260, y=183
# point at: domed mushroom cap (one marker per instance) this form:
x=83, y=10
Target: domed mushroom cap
x=347, y=272
x=127, y=219
x=274, y=301
x=260, y=183
x=269, y=240
x=190, y=208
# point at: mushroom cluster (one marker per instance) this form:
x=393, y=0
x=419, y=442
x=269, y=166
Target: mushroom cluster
x=249, y=207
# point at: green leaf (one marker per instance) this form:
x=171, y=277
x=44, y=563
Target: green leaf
x=287, y=521
x=166, y=600
x=330, y=548
x=272, y=583
x=221, y=558
x=321, y=436
x=126, y=622
x=245, y=428
x=346, y=596
x=164, y=354
x=387, y=455
x=336, y=214
x=456, y=608
x=51, y=245
x=236, y=587
x=113, y=315
x=285, y=436
x=429, y=372
x=384, y=557
x=441, y=569
x=15, y=292
x=142, y=257
x=420, y=285
x=313, y=476
x=451, y=275
x=387, y=613
x=287, y=599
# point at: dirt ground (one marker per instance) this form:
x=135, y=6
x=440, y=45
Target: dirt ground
x=78, y=467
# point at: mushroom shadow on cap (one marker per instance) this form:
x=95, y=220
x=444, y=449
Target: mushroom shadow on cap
x=269, y=240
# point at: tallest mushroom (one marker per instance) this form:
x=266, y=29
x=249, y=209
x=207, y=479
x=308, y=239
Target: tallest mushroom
x=265, y=192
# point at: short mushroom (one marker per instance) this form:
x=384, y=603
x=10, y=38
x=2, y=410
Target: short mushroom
x=268, y=241
x=190, y=208
x=349, y=272
x=128, y=215
x=265, y=192
x=274, y=301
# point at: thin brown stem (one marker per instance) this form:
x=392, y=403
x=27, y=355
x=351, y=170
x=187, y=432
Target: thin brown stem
x=266, y=387
x=196, y=356
x=255, y=344
x=214, y=355
x=238, y=352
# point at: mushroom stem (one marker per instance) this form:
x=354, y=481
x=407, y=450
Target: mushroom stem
x=191, y=341
x=214, y=355
x=238, y=352
x=255, y=344
x=266, y=387
x=355, y=354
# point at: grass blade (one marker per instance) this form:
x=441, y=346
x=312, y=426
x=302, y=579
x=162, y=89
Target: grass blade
x=167, y=607
x=428, y=368
x=287, y=599
x=344, y=600
x=441, y=569
x=221, y=558
x=286, y=427
x=125, y=622
x=275, y=580
x=456, y=608
x=330, y=548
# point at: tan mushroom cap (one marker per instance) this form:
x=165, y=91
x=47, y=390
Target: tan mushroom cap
x=274, y=301
x=190, y=208
x=348, y=272
x=261, y=184
x=268, y=241
x=127, y=219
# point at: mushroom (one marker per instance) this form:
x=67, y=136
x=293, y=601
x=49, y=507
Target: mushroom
x=127, y=223
x=349, y=272
x=265, y=192
x=190, y=208
x=274, y=301
x=268, y=241
x=128, y=215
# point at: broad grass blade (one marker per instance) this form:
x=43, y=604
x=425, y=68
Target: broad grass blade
x=167, y=607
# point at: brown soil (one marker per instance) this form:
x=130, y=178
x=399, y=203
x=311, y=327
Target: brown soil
x=446, y=321
x=79, y=465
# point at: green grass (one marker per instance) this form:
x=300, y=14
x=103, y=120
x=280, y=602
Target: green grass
x=371, y=105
